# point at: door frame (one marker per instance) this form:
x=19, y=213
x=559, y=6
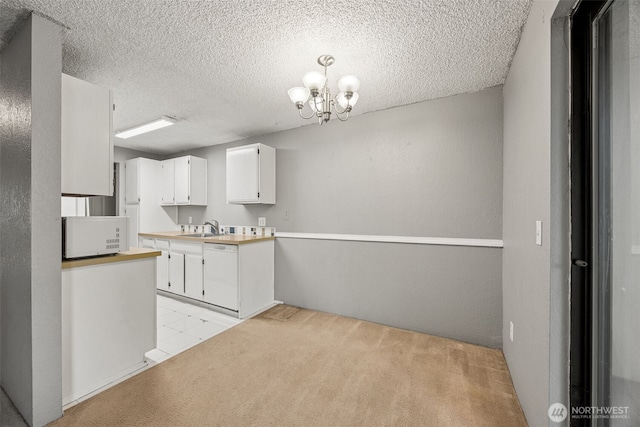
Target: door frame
x=582, y=205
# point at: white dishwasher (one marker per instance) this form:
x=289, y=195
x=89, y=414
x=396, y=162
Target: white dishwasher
x=221, y=275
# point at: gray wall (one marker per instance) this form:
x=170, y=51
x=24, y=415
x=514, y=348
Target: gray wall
x=535, y=278
x=431, y=169
x=121, y=154
x=440, y=290
x=31, y=231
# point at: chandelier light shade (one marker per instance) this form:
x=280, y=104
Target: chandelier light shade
x=318, y=95
x=299, y=95
x=314, y=80
x=349, y=84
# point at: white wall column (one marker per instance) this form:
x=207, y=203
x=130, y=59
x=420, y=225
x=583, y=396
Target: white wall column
x=30, y=248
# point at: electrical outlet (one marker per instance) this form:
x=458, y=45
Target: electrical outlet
x=262, y=221
x=286, y=215
x=190, y=219
x=511, y=331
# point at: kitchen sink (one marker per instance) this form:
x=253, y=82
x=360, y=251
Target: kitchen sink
x=200, y=235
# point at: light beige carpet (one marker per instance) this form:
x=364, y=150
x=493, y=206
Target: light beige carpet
x=313, y=369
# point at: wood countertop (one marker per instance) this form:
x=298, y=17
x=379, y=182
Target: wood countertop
x=226, y=239
x=131, y=254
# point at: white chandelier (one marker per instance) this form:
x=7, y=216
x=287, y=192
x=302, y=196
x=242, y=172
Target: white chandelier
x=321, y=102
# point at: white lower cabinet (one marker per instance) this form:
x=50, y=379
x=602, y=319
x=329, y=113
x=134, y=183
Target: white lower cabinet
x=185, y=269
x=179, y=268
x=162, y=262
x=176, y=273
x=193, y=275
x=239, y=278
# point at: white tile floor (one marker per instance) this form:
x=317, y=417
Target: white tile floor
x=180, y=326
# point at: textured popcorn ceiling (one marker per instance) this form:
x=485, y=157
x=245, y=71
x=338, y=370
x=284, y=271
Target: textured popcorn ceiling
x=224, y=67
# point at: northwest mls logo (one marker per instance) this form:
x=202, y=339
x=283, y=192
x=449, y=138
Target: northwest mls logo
x=557, y=412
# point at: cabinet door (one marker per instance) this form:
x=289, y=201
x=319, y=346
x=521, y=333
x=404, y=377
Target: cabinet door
x=162, y=265
x=168, y=182
x=193, y=276
x=162, y=273
x=132, y=182
x=176, y=273
x=243, y=174
x=197, y=181
x=182, y=180
x=86, y=144
x=221, y=277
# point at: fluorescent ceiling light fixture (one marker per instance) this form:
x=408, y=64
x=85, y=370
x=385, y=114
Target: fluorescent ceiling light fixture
x=160, y=123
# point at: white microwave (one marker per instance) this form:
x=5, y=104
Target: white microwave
x=84, y=236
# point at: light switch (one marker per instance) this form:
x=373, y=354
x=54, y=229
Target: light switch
x=539, y=233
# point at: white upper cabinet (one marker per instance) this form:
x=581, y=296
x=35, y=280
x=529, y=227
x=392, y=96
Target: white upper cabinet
x=143, y=181
x=168, y=182
x=184, y=181
x=132, y=182
x=87, y=145
x=251, y=174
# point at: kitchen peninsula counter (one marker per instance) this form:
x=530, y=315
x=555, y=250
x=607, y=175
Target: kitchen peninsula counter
x=108, y=318
x=130, y=255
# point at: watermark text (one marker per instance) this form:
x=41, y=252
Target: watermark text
x=558, y=412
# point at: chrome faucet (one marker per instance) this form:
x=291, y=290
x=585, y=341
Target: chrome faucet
x=215, y=227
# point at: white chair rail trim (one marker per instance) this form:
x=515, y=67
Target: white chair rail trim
x=443, y=241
